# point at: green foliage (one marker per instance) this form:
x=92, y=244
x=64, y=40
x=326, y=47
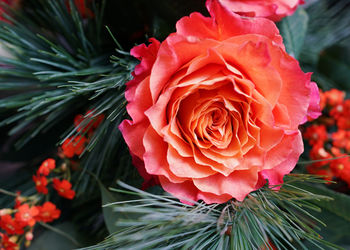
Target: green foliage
x=340, y=205
x=334, y=214
x=328, y=25
x=61, y=66
x=337, y=230
x=43, y=62
x=54, y=75
x=326, y=43
x=162, y=222
x=334, y=63
x=293, y=30
x=108, y=213
x=62, y=238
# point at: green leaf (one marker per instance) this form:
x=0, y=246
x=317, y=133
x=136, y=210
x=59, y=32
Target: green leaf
x=335, y=214
x=340, y=205
x=56, y=241
x=110, y=217
x=337, y=230
x=334, y=63
x=293, y=30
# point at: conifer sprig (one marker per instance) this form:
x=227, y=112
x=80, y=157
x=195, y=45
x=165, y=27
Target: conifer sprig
x=58, y=68
x=46, y=55
x=264, y=218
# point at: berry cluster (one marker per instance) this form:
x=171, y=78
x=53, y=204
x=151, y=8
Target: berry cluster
x=329, y=138
x=86, y=126
x=41, y=180
x=17, y=223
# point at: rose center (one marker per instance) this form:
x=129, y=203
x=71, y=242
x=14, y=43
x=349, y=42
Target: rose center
x=214, y=125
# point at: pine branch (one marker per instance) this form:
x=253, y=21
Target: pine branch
x=265, y=217
x=59, y=67
x=46, y=66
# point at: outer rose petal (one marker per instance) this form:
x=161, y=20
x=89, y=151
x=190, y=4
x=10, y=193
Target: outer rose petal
x=274, y=10
x=296, y=82
x=147, y=56
x=314, y=110
x=276, y=174
x=234, y=25
x=132, y=133
x=182, y=46
x=135, y=90
x=134, y=130
x=188, y=193
x=238, y=184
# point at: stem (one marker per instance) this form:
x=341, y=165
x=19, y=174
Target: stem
x=8, y=192
x=329, y=159
x=58, y=231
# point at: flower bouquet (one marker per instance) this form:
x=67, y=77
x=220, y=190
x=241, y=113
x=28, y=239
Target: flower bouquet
x=192, y=139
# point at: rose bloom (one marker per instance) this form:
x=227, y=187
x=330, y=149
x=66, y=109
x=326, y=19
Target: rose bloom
x=274, y=10
x=215, y=108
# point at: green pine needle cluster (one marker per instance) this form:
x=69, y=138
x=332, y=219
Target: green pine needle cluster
x=266, y=217
x=60, y=67
x=44, y=63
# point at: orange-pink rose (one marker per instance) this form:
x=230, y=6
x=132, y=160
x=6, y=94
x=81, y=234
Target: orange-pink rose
x=271, y=9
x=215, y=108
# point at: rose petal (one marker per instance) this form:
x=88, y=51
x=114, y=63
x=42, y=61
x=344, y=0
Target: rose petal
x=185, y=191
x=185, y=166
x=274, y=10
x=275, y=175
x=155, y=156
x=132, y=134
x=238, y=184
x=147, y=55
x=188, y=193
x=290, y=148
x=233, y=25
x=314, y=111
